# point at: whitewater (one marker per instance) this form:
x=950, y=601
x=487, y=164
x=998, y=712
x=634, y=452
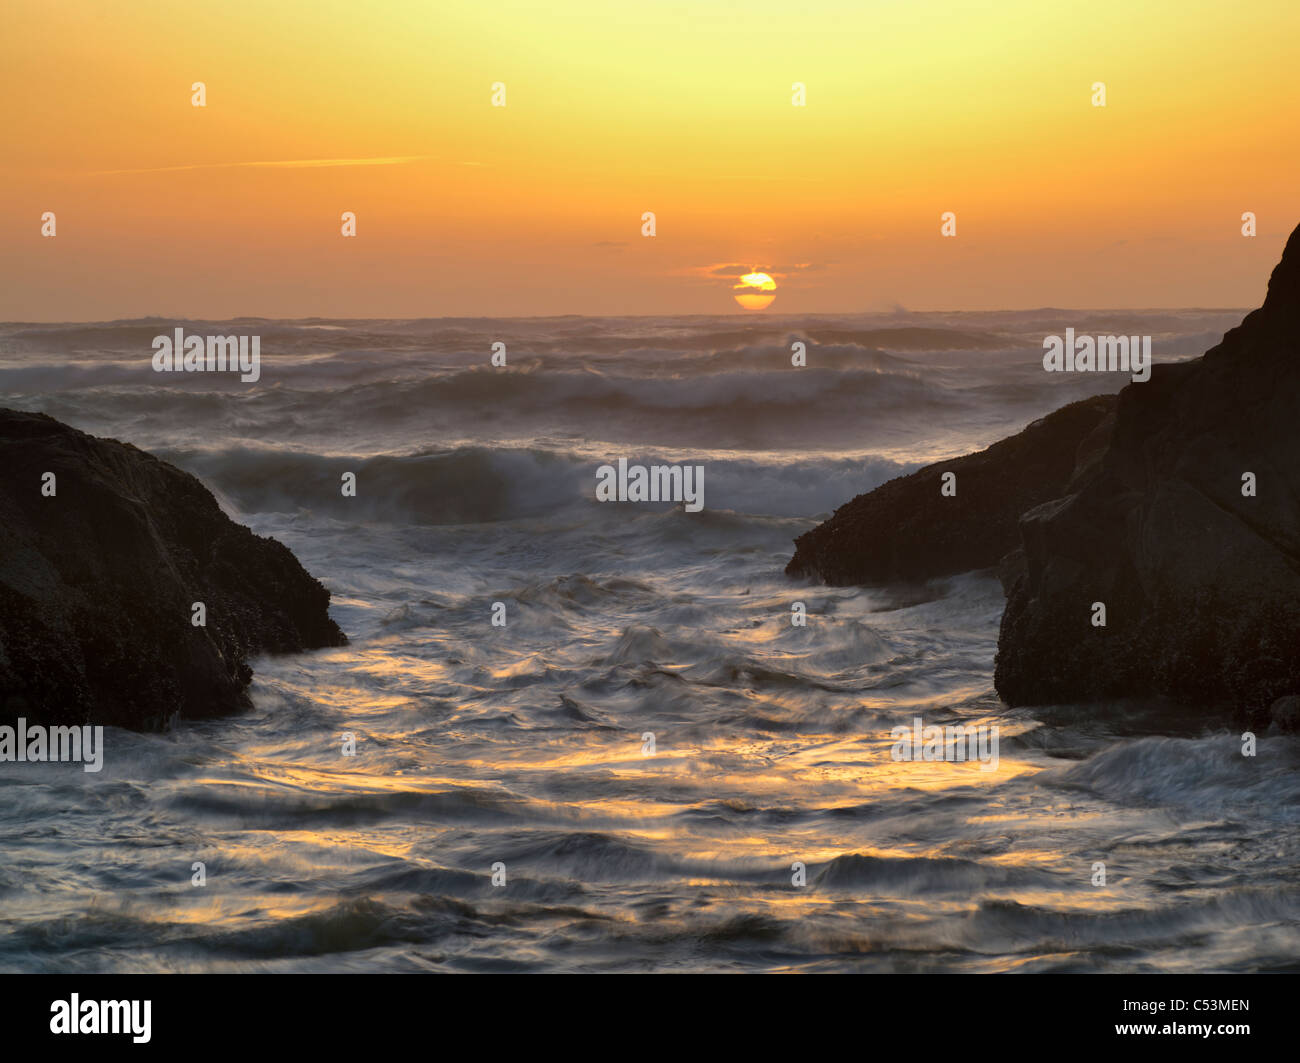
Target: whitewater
x=523, y=747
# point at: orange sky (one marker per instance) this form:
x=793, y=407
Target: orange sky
x=684, y=109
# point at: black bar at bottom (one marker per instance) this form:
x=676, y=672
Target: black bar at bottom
x=679, y=1013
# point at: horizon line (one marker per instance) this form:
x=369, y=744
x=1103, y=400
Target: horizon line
x=552, y=317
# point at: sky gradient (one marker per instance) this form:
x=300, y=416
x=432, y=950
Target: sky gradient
x=535, y=208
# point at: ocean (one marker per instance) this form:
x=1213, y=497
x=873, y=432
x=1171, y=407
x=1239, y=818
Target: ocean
x=503, y=810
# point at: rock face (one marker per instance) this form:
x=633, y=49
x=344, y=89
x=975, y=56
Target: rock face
x=97, y=585
x=906, y=530
x=1200, y=578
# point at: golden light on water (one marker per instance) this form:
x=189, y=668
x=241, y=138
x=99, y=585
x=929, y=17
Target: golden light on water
x=755, y=291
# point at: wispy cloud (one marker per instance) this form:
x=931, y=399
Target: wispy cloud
x=279, y=164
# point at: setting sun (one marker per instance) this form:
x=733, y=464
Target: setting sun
x=755, y=291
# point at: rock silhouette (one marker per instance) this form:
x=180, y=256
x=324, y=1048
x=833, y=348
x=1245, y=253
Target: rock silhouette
x=1175, y=504
x=98, y=583
x=906, y=530
x=1187, y=528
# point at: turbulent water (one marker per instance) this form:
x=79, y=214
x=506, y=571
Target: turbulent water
x=524, y=745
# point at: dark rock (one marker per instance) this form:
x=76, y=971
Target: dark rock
x=97, y=584
x=1284, y=714
x=1201, y=583
x=905, y=530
